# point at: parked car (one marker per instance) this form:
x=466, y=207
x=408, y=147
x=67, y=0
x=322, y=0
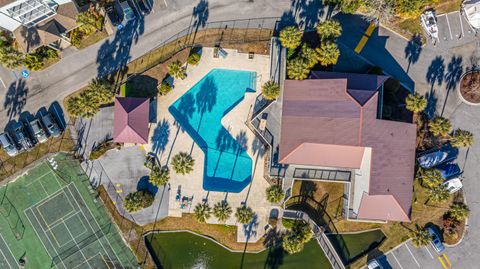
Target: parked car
x=453, y=185
x=449, y=170
x=433, y=158
x=374, y=264
x=37, y=131
x=435, y=241
x=125, y=12
x=8, y=144
x=51, y=125
x=21, y=137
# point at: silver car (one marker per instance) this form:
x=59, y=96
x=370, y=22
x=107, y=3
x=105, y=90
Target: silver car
x=37, y=131
x=8, y=145
x=21, y=138
x=51, y=125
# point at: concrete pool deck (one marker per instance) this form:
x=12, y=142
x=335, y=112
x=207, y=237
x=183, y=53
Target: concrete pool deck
x=167, y=139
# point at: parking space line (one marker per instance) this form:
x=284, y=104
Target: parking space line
x=461, y=23
x=441, y=261
x=412, y=255
x=429, y=252
x=395, y=257
x=449, y=29
x=447, y=260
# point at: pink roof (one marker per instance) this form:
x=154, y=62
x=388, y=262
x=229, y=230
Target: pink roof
x=131, y=120
x=343, y=114
x=381, y=207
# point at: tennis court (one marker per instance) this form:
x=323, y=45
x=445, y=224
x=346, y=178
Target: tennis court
x=62, y=225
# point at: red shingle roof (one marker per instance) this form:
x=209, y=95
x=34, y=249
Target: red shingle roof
x=131, y=120
x=341, y=110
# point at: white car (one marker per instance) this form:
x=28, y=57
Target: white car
x=453, y=185
x=374, y=264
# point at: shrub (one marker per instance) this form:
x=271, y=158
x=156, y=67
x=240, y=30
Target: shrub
x=244, y=214
x=193, y=59
x=88, y=102
x=33, y=61
x=10, y=57
x=76, y=37
x=102, y=149
x=89, y=21
x=292, y=244
x=328, y=53
x=288, y=223
x=159, y=176
x=274, y=194
x=270, y=90
x=462, y=138
x=459, y=211
x=137, y=200
x=183, y=163
x=309, y=55
x=299, y=234
x=291, y=37
x=164, y=88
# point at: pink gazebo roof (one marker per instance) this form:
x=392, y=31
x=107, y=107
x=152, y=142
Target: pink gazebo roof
x=131, y=120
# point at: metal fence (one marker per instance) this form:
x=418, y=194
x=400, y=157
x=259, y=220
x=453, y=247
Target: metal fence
x=221, y=33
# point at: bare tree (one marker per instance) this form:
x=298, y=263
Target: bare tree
x=380, y=10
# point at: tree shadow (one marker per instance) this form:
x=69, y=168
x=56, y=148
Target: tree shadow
x=308, y=188
x=31, y=37
x=200, y=15
x=15, y=98
x=436, y=71
x=114, y=55
x=413, y=50
x=160, y=136
x=310, y=12
x=258, y=147
x=145, y=185
x=242, y=141
x=452, y=77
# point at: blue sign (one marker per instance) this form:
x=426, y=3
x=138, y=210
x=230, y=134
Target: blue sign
x=25, y=73
x=120, y=27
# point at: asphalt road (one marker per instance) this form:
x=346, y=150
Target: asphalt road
x=77, y=69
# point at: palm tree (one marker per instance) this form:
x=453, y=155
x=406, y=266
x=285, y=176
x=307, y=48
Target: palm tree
x=438, y=194
x=416, y=103
x=222, y=211
x=164, y=88
x=74, y=106
x=298, y=69
x=309, y=55
x=420, y=237
x=459, y=211
x=328, y=53
x=462, y=138
x=101, y=91
x=329, y=29
x=292, y=244
x=176, y=70
x=440, y=126
x=159, y=176
x=291, y=37
x=275, y=194
x=137, y=200
x=10, y=57
x=302, y=230
x=270, y=90
x=183, y=163
x=202, y=212
x=430, y=178
x=244, y=214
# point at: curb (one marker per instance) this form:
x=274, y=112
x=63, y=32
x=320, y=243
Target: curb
x=460, y=93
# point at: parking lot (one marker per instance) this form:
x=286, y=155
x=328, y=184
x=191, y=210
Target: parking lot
x=406, y=256
x=453, y=31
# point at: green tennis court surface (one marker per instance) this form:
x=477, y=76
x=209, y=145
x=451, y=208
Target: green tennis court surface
x=51, y=219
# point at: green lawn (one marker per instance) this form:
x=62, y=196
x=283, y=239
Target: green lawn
x=185, y=250
x=352, y=246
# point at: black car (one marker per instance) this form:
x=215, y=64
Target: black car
x=21, y=137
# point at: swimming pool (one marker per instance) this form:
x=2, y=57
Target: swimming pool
x=227, y=166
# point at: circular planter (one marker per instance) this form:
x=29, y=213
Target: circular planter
x=470, y=97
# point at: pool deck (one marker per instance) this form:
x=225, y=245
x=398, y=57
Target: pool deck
x=167, y=138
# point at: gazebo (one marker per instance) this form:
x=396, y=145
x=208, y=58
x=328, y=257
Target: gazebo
x=471, y=9
x=131, y=118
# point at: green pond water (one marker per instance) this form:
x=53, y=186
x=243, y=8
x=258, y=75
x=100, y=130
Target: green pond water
x=187, y=251
x=352, y=246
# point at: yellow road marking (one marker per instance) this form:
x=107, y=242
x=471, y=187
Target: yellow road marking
x=447, y=260
x=441, y=261
x=361, y=44
x=370, y=29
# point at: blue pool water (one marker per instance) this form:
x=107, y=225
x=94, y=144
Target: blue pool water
x=200, y=110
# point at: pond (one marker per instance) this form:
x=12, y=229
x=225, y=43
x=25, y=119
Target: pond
x=183, y=250
x=352, y=246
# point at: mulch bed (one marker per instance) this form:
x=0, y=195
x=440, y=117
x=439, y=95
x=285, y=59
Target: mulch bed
x=470, y=87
